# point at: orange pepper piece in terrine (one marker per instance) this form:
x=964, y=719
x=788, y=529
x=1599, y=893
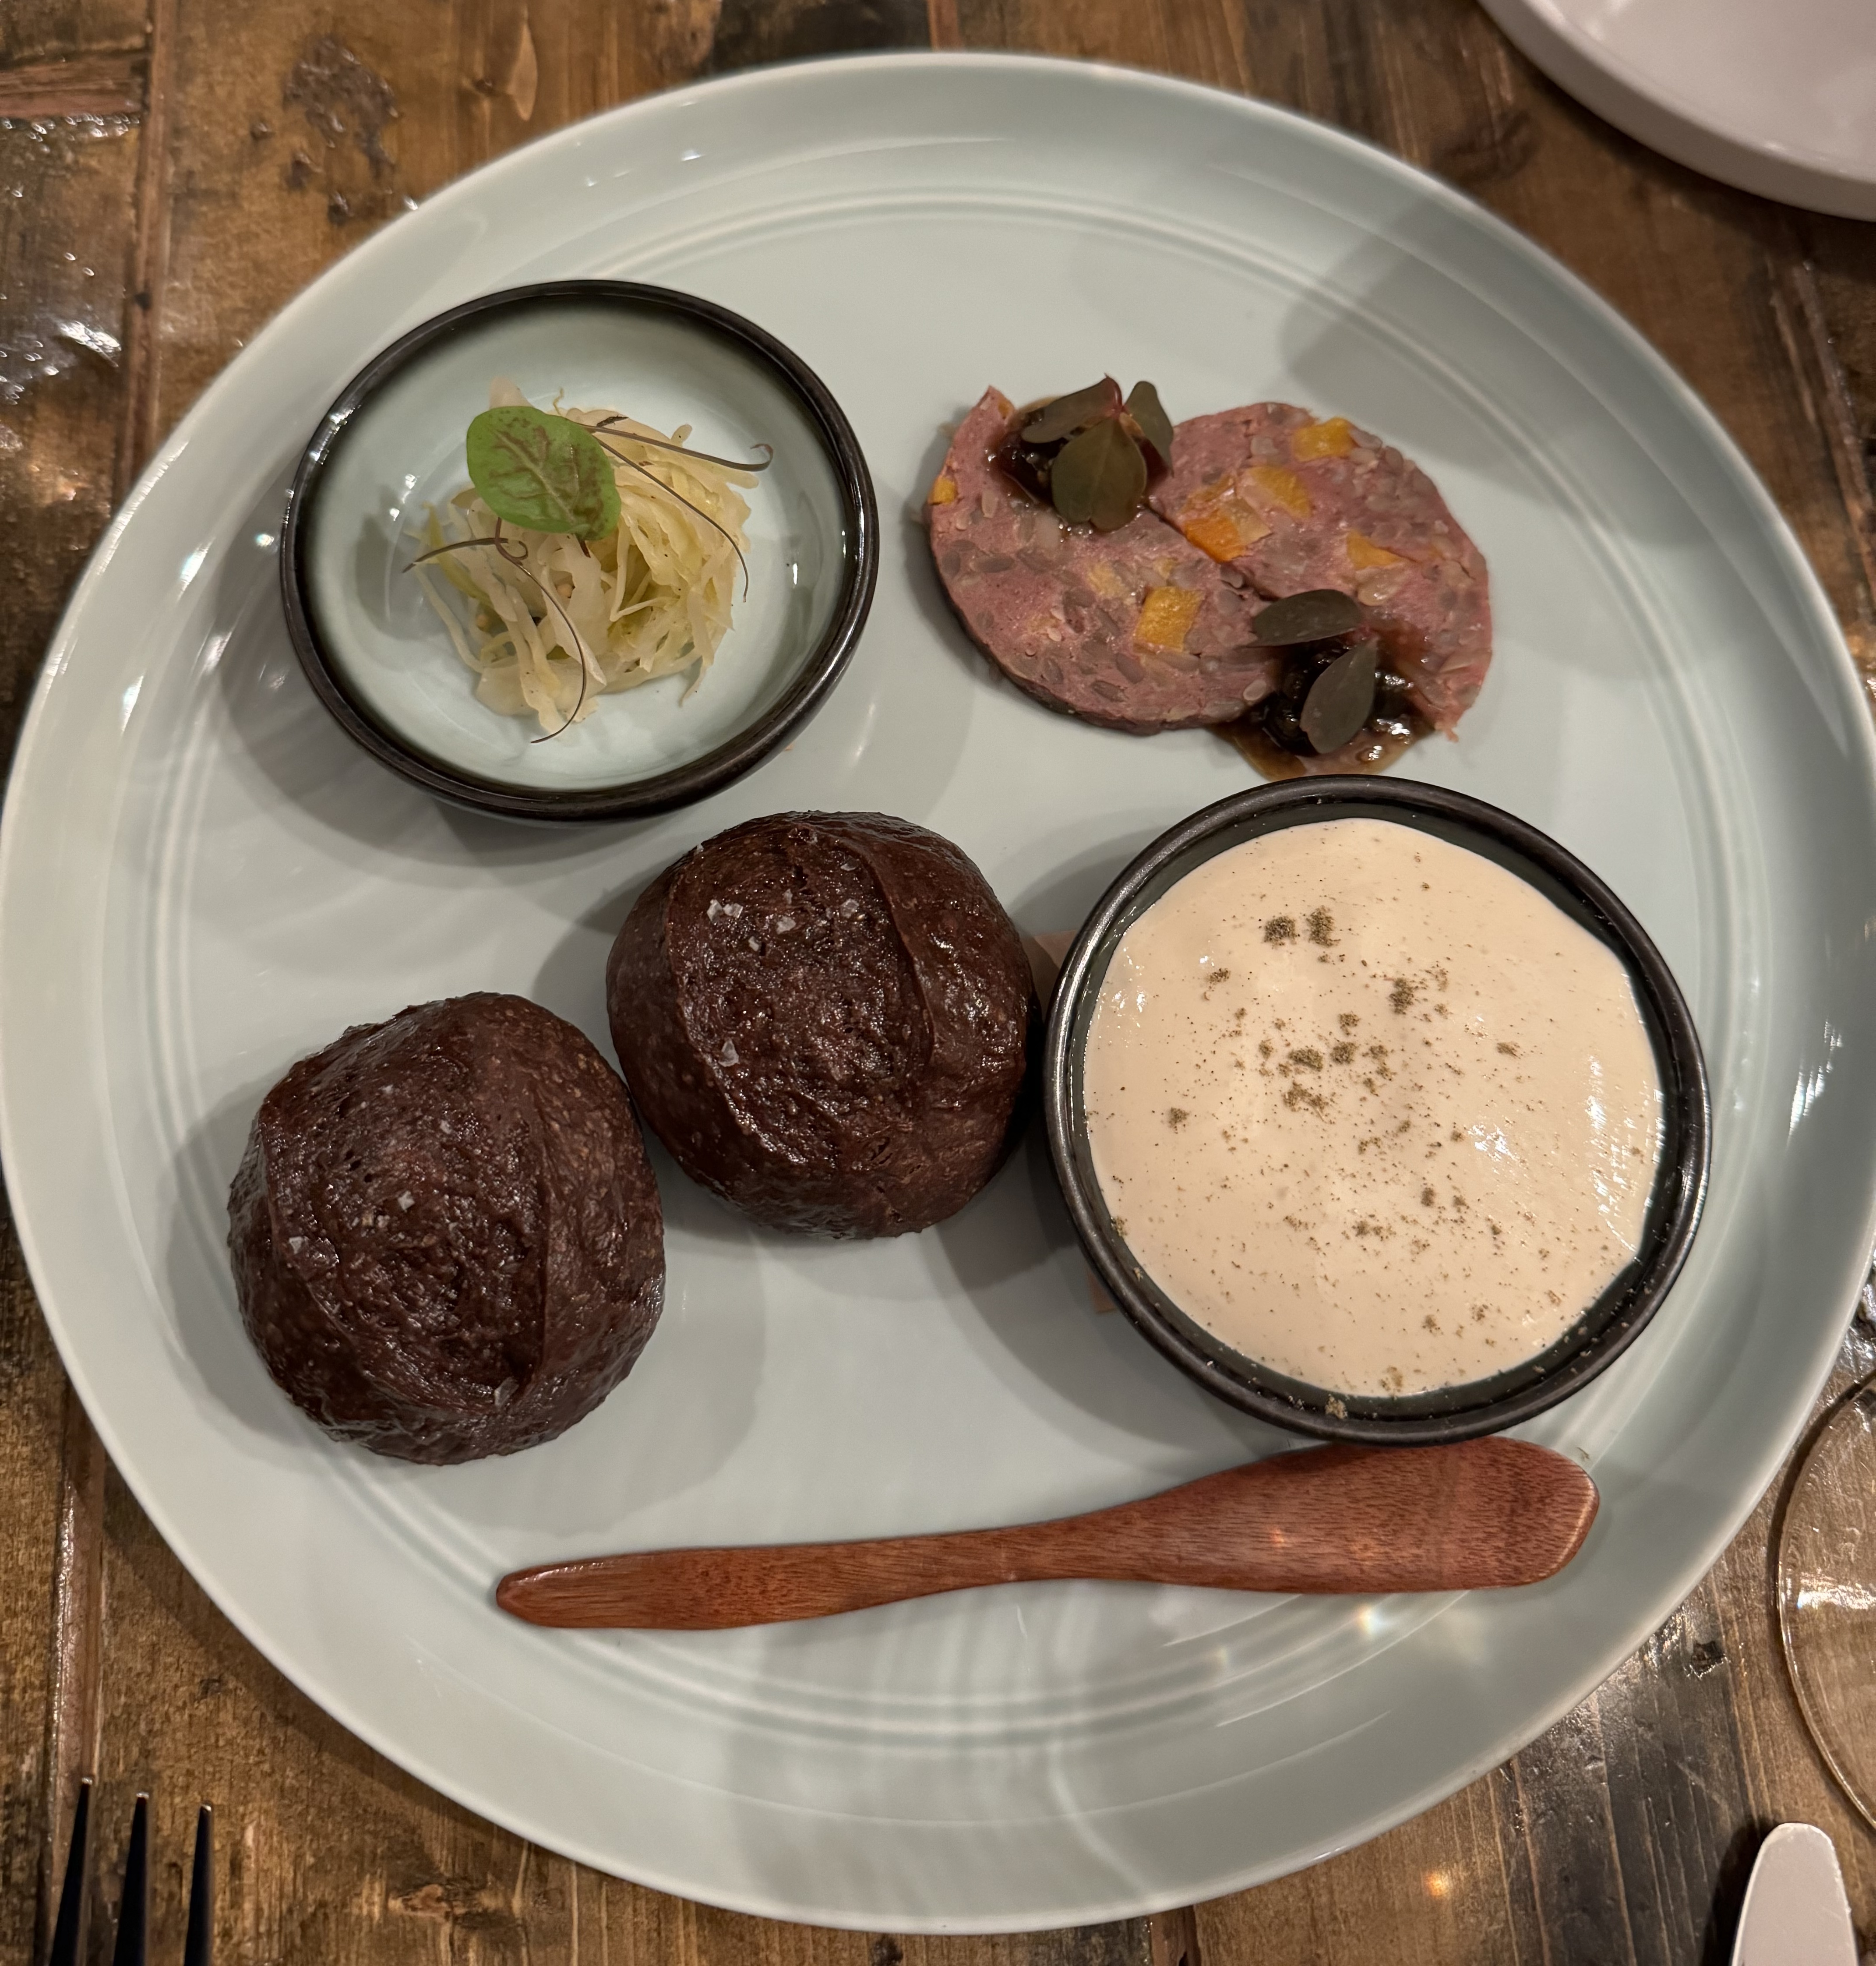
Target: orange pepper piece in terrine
x=1332, y=437
x=1219, y=523
x=1363, y=553
x=1166, y=618
x=1282, y=487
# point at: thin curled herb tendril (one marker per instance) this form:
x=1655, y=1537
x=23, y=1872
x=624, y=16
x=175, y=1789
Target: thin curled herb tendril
x=448, y=546
x=579, y=649
x=631, y=464
x=684, y=449
x=519, y=558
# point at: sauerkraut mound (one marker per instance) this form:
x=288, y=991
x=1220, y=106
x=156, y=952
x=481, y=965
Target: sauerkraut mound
x=651, y=599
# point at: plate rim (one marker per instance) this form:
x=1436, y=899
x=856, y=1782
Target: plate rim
x=1625, y=96
x=1803, y=588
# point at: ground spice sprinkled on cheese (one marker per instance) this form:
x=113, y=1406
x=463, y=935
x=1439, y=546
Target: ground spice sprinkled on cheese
x=1419, y=1114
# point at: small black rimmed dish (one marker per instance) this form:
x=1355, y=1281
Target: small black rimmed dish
x=391, y=446
x=1446, y=1413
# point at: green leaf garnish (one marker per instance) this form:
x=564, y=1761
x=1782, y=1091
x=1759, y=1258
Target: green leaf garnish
x=1086, y=452
x=1067, y=413
x=1340, y=698
x=543, y=471
x=1317, y=614
x=1144, y=406
x=1099, y=478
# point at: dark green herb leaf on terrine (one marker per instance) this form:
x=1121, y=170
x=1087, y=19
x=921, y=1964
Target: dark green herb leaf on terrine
x=1318, y=615
x=1067, y=413
x=1144, y=406
x=1099, y=478
x=1341, y=698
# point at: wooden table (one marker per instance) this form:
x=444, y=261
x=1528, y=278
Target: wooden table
x=168, y=179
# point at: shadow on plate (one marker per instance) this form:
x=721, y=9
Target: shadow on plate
x=1386, y=283
x=571, y=980
x=1064, y=897
x=1014, y=1256
x=284, y=734
x=679, y=1415
x=596, y=1474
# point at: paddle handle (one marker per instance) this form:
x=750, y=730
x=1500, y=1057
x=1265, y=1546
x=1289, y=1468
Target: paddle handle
x=1482, y=1514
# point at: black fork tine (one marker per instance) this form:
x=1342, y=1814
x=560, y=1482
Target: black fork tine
x=66, y=1933
x=133, y=1906
x=199, y=1948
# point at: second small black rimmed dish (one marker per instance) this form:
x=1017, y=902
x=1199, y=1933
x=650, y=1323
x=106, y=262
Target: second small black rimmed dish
x=391, y=450
x=1446, y=1412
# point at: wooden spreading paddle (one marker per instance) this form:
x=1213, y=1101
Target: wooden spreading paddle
x=1482, y=1514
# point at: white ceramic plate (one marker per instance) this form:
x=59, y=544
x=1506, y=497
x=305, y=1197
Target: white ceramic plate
x=1778, y=98
x=201, y=879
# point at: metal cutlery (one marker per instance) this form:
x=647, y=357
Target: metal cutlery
x=133, y=1930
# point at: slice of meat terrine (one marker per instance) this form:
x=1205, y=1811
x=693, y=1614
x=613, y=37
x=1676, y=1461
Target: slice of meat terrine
x=1138, y=629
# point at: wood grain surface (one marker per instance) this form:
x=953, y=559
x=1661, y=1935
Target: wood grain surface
x=1481, y=1515
x=168, y=177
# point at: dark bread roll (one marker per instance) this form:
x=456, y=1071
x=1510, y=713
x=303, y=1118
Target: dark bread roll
x=445, y=1231
x=828, y=1018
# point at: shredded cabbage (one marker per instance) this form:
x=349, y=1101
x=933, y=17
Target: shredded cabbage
x=650, y=599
